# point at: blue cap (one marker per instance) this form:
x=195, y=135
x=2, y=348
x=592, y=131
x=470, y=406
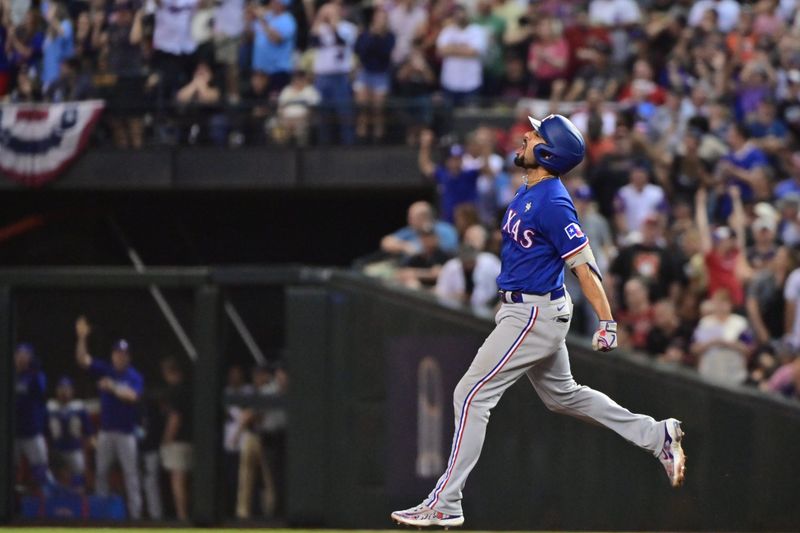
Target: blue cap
x=25, y=347
x=121, y=345
x=64, y=381
x=563, y=148
x=455, y=150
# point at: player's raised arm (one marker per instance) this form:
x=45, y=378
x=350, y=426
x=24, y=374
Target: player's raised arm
x=82, y=331
x=426, y=164
x=701, y=220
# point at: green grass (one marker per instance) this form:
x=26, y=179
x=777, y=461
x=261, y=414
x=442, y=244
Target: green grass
x=224, y=530
x=124, y=529
x=215, y=530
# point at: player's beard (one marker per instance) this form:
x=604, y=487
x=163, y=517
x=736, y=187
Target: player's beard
x=519, y=161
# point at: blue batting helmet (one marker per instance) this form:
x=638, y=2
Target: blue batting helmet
x=563, y=146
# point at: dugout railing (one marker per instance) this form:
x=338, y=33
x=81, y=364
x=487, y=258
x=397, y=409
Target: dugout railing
x=372, y=365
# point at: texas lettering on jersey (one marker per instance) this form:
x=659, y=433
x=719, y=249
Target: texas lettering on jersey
x=522, y=236
x=537, y=240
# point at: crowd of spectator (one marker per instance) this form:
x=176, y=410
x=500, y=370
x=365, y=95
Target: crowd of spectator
x=66, y=447
x=691, y=111
x=287, y=65
x=690, y=190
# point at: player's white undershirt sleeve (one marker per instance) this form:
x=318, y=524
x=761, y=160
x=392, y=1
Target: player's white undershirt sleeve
x=584, y=257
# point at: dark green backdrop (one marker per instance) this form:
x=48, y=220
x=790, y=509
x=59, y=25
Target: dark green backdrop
x=352, y=346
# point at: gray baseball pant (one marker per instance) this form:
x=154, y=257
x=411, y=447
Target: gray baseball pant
x=73, y=460
x=528, y=340
x=121, y=446
x=34, y=449
x=152, y=487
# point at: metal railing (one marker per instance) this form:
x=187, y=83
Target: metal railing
x=238, y=124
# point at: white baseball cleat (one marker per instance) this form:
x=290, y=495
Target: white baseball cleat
x=672, y=457
x=423, y=516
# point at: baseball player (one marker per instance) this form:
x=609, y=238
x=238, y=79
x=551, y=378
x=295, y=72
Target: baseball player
x=121, y=387
x=541, y=233
x=31, y=385
x=69, y=425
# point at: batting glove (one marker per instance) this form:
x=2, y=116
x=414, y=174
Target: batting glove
x=605, y=338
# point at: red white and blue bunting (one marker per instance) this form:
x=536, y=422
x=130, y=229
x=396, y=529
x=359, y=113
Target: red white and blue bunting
x=39, y=141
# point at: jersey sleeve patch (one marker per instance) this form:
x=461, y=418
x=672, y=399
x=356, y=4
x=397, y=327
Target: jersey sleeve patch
x=573, y=230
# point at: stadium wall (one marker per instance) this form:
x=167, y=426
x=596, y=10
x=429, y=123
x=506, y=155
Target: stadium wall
x=220, y=169
x=373, y=369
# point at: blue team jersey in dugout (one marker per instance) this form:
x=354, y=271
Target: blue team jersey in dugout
x=116, y=414
x=540, y=230
x=30, y=403
x=67, y=425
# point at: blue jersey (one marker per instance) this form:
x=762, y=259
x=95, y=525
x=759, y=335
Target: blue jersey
x=30, y=403
x=751, y=158
x=540, y=230
x=115, y=414
x=68, y=424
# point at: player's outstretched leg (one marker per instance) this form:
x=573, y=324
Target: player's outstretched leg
x=500, y=362
x=552, y=379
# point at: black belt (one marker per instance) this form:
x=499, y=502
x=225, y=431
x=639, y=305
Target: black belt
x=518, y=297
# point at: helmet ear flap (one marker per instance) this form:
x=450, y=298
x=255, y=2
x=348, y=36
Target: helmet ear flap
x=543, y=154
